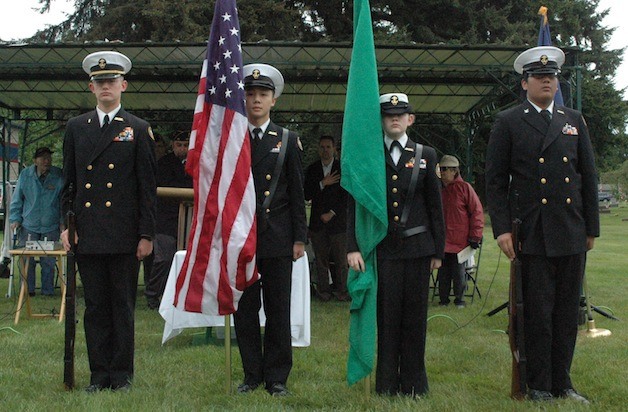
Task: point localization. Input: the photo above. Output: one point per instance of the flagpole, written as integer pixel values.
(228, 353)
(367, 386)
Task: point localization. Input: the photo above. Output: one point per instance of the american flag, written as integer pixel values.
(220, 262)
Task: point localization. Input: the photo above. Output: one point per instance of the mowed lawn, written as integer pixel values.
(468, 367)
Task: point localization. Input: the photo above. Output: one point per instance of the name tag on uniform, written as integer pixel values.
(570, 130)
(422, 164)
(125, 136)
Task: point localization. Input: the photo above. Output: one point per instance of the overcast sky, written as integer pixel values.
(20, 20)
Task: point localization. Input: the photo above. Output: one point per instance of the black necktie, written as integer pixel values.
(546, 116)
(257, 136)
(257, 133)
(396, 144)
(105, 123)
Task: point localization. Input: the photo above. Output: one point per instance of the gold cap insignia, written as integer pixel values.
(102, 63)
(256, 73)
(544, 60)
(394, 100)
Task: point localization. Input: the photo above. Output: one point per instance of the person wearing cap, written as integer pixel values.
(540, 169)
(109, 170)
(170, 173)
(281, 236)
(35, 211)
(412, 249)
(464, 221)
(328, 221)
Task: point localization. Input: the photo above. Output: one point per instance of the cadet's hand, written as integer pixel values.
(590, 242)
(504, 241)
(330, 179)
(65, 239)
(435, 263)
(144, 248)
(355, 261)
(298, 250)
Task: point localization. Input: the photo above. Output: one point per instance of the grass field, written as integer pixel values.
(468, 368)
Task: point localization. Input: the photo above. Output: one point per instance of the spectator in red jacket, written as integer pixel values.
(464, 220)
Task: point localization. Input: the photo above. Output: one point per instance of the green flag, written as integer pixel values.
(364, 177)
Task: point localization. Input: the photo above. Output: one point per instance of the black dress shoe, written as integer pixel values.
(95, 387)
(125, 387)
(573, 395)
(540, 396)
(247, 387)
(153, 303)
(278, 389)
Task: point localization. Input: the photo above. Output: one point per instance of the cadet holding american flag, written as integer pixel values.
(235, 179)
(281, 234)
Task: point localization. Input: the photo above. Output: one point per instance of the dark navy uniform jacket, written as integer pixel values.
(425, 208)
(553, 172)
(286, 214)
(113, 173)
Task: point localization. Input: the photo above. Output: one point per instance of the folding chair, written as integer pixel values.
(471, 272)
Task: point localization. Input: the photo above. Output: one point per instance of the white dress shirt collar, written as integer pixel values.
(263, 127)
(550, 108)
(111, 114)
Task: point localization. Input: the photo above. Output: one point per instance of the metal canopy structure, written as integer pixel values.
(46, 81)
(448, 85)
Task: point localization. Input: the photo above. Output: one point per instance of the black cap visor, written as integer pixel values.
(400, 108)
(261, 81)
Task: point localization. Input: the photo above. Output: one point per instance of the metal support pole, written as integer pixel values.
(592, 331)
(578, 84)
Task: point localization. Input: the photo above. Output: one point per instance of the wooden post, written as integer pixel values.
(228, 353)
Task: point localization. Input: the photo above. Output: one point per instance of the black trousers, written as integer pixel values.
(450, 271)
(551, 293)
(272, 363)
(110, 287)
(402, 295)
(164, 249)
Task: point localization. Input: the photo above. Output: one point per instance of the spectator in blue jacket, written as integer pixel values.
(36, 212)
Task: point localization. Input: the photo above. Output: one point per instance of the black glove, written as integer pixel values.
(473, 244)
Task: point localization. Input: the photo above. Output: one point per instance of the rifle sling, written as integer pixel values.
(411, 190)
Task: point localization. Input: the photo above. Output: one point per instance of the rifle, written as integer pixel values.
(516, 337)
(70, 296)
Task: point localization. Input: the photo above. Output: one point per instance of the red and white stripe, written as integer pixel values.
(220, 262)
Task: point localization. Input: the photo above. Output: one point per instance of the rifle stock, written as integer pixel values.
(515, 322)
(70, 299)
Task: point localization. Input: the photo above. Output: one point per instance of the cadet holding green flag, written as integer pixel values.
(413, 246)
(363, 177)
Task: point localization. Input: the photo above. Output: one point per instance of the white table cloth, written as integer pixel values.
(176, 319)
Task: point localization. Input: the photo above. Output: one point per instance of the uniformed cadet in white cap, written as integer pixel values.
(540, 168)
(106, 65)
(109, 171)
(281, 236)
(413, 247)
